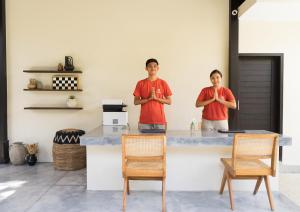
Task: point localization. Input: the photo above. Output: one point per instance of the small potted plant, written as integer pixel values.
(72, 101)
(32, 149)
(32, 84)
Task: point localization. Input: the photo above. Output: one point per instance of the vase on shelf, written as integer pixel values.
(69, 63)
(71, 101)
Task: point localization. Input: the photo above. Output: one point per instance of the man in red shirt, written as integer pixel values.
(152, 93)
(216, 100)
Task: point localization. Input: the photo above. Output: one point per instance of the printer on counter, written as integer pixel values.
(114, 113)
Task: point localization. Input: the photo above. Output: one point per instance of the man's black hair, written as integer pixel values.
(216, 71)
(151, 60)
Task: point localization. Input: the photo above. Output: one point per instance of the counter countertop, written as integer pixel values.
(111, 135)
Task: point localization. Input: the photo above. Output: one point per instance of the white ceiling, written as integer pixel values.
(270, 10)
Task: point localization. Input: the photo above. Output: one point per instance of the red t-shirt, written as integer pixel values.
(215, 110)
(152, 112)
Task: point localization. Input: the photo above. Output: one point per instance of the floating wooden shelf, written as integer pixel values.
(53, 71)
(26, 89)
(52, 108)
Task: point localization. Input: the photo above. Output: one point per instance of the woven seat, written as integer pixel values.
(67, 153)
(246, 163)
(69, 157)
(143, 158)
(144, 169)
(247, 167)
(139, 166)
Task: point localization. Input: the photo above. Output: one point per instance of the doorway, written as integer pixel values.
(259, 93)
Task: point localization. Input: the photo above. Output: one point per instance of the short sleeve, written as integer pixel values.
(229, 95)
(201, 96)
(167, 90)
(137, 90)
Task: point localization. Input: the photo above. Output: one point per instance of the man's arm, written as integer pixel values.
(139, 101)
(167, 100)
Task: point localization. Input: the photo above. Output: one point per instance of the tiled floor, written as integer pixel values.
(41, 188)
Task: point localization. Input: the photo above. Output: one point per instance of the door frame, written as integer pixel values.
(4, 143)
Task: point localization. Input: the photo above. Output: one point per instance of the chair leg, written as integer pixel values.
(223, 182)
(267, 182)
(128, 192)
(258, 182)
(230, 191)
(164, 195)
(124, 193)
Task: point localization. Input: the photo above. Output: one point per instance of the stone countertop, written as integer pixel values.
(111, 135)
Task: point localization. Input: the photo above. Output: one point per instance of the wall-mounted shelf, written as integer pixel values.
(57, 73)
(26, 89)
(52, 108)
(53, 71)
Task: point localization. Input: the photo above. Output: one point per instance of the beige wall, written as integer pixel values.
(110, 41)
(280, 37)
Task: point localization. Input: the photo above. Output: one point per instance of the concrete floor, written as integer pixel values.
(41, 188)
(289, 182)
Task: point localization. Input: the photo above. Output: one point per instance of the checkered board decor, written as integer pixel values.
(64, 83)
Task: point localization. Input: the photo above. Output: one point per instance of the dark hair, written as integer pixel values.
(151, 60)
(216, 71)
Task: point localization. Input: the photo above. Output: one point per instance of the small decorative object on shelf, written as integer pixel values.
(71, 101)
(47, 87)
(60, 67)
(39, 84)
(69, 63)
(17, 153)
(31, 157)
(60, 82)
(32, 84)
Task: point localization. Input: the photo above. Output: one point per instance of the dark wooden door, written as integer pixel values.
(259, 93)
(258, 90)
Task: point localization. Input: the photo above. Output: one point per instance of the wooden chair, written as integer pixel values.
(246, 163)
(144, 158)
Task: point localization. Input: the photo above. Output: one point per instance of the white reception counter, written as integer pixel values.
(193, 160)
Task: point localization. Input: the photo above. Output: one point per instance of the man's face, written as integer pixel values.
(152, 69)
(216, 79)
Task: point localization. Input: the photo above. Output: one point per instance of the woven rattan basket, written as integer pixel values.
(69, 156)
